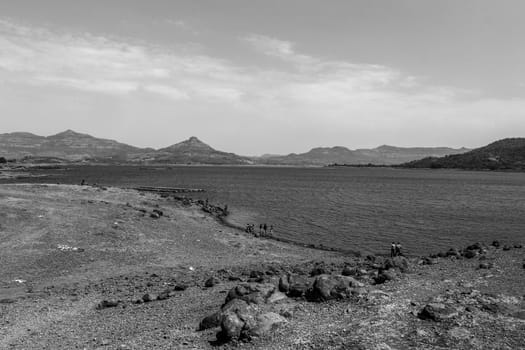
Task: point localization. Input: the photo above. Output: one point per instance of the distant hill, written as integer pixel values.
(73, 146)
(191, 151)
(383, 155)
(67, 145)
(506, 154)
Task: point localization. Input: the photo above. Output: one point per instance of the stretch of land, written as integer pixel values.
(94, 267)
(72, 147)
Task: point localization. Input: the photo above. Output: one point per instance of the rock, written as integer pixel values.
(164, 295)
(383, 277)
(475, 246)
(507, 247)
(496, 244)
(452, 252)
(297, 285)
(265, 323)
(396, 262)
(328, 287)
(442, 255)
(154, 215)
(212, 281)
(211, 321)
(437, 312)
(276, 297)
(469, 254)
(231, 326)
(349, 271)
(237, 306)
(149, 297)
(318, 270)
(284, 284)
(180, 287)
(518, 246)
(252, 293)
(107, 303)
(159, 212)
(256, 274)
(486, 265)
(428, 261)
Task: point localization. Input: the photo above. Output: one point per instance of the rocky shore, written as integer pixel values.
(105, 268)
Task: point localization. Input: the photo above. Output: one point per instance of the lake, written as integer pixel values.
(351, 208)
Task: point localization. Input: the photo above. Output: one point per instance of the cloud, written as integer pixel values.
(300, 96)
(91, 63)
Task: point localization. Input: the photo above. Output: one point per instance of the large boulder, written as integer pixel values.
(328, 287)
(437, 312)
(231, 326)
(396, 262)
(294, 285)
(211, 321)
(252, 293)
(264, 324)
(235, 306)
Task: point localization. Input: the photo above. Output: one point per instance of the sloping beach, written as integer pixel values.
(92, 267)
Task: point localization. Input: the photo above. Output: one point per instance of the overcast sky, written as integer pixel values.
(272, 76)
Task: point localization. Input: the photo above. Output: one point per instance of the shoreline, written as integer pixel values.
(125, 270)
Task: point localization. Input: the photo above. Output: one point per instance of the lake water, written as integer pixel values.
(352, 208)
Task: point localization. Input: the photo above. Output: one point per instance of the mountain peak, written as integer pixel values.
(67, 133)
(191, 144)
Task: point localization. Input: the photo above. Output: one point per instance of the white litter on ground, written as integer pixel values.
(67, 248)
(19, 281)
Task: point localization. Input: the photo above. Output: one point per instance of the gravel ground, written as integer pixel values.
(64, 249)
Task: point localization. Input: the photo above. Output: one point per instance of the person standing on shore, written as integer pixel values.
(265, 228)
(271, 230)
(398, 249)
(393, 249)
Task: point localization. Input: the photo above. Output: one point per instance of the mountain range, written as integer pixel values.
(72, 146)
(506, 154)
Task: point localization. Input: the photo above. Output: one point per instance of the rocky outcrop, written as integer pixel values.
(329, 287)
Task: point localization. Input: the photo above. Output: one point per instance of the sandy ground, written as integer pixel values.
(63, 249)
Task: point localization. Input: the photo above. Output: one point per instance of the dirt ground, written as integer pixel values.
(63, 249)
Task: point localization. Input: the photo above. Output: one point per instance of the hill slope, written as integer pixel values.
(68, 145)
(383, 155)
(506, 154)
(73, 146)
(192, 151)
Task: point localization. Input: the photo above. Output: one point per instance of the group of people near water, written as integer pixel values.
(264, 230)
(395, 249)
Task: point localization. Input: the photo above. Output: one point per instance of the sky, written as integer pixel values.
(273, 76)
